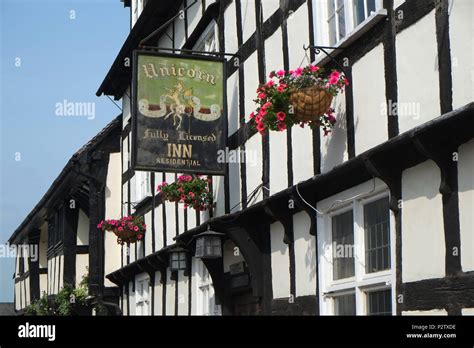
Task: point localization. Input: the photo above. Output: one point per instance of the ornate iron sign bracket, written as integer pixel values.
(319, 49)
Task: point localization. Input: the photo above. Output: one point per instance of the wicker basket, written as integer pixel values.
(310, 103)
(126, 236)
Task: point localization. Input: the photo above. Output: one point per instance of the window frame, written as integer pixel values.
(321, 13)
(142, 301)
(342, 210)
(142, 185)
(362, 282)
(204, 306)
(211, 29)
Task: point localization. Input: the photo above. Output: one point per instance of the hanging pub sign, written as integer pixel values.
(178, 116)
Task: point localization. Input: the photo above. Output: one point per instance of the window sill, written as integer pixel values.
(142, 202)
(353, 36)
(339, 285)
(381, 278)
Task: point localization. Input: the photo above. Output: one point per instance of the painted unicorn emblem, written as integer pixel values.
(178, 103)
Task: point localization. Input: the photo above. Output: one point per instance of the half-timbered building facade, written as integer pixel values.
(58, 243)
(374, 218)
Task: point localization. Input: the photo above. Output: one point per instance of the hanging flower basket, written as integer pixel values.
(128, 229)
(302, 96)
(192, 191)
(310, 103)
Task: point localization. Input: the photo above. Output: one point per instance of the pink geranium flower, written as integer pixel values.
(298, 72)
(281, 116)
(280, 73)
(270, 83)
(313, 68)
(281, 127)
(335, 74)
(333, 80)
(262, 96)
(260, 127)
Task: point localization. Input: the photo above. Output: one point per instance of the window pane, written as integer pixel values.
(332, 22)
(343, 245)
(370, 6)
(345, 305)
(332, 30)
(341, 22)
(377, 236)
(379, 302)
(331, 7)
(359, 14)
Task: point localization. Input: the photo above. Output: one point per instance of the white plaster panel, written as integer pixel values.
(430, 312)
(423, 244)
(158, 295)
(83, 227)
(233, 102)
(248, 19)
(461, 29)
(298, 35)
(466, 204)
(467, 311)
(269, 7)
(280, 262)
(170, 294)
(334, 145)
(305, 255)
(253, 147)
(368, 83)
(417, 74)
(183, 299)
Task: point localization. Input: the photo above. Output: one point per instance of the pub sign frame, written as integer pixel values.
(179, 114)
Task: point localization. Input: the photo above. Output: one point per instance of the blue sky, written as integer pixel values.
(60, 58)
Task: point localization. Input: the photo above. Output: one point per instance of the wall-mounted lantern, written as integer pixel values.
(177, 259)
(209, 245)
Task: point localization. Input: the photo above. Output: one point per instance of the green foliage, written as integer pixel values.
(191, 191)
(63, 302)
(40, 307)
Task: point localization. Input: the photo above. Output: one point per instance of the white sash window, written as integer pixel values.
(336, 19)
(205, 296)
(356, 251)
(143, 185)
(142, 301)
(208, 40)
